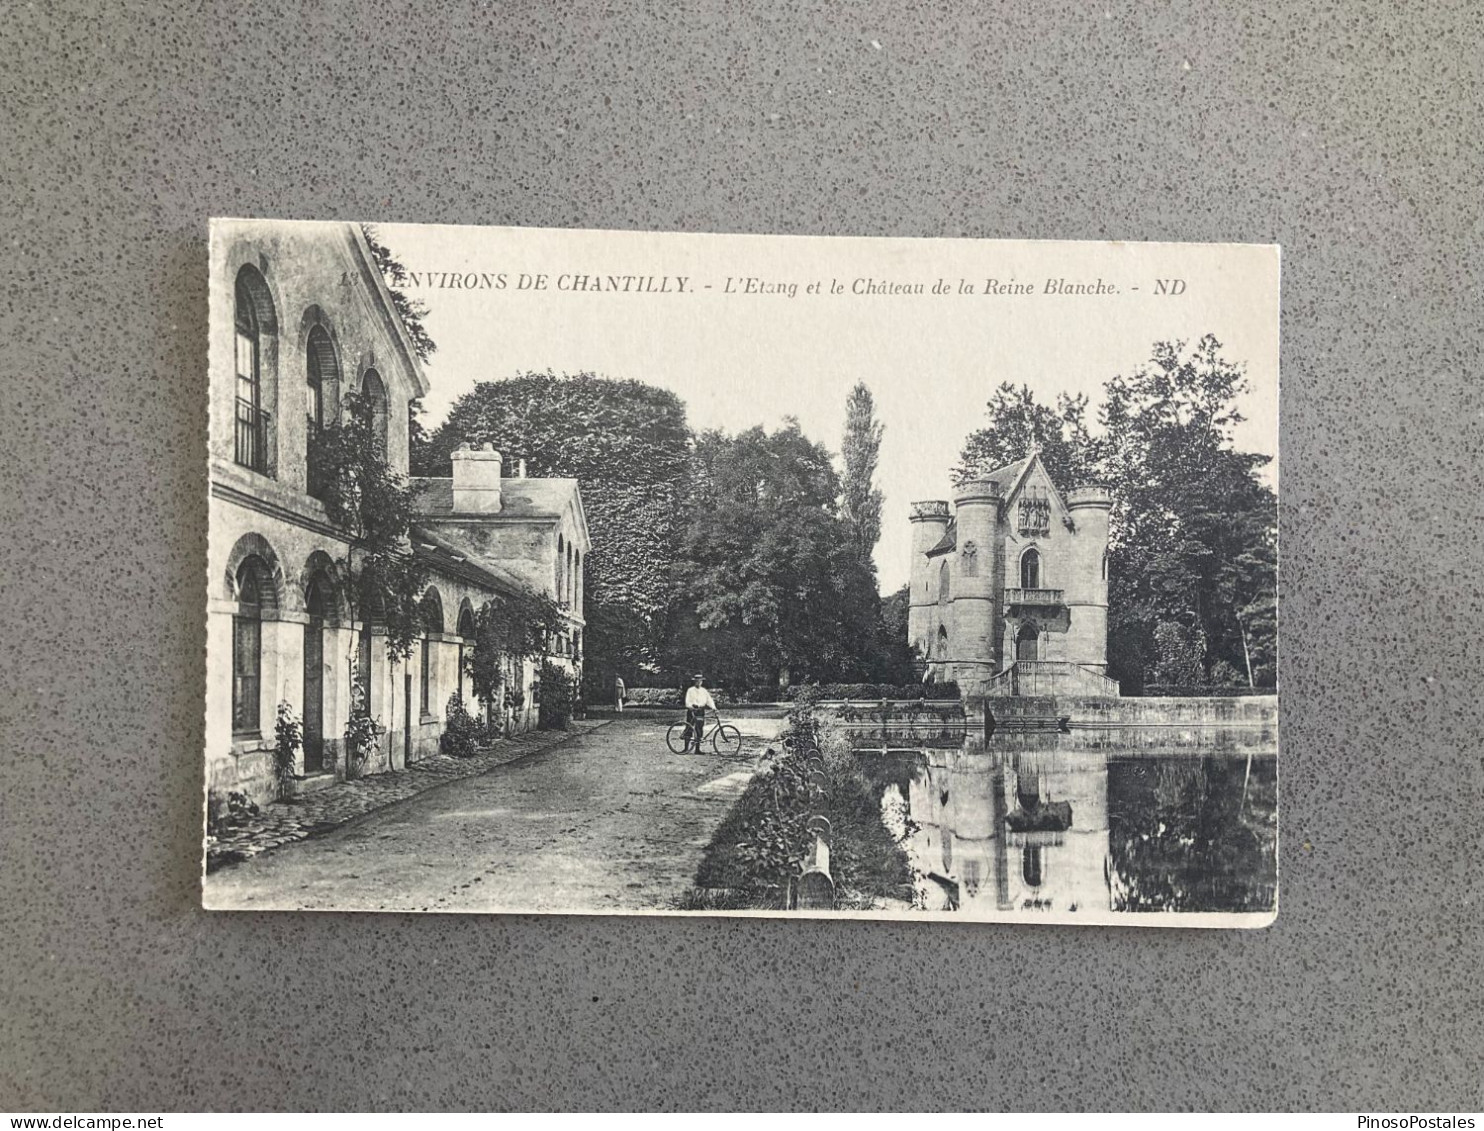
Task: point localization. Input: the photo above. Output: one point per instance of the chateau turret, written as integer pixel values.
(1087, 580)
(978, 578)
(929, 525)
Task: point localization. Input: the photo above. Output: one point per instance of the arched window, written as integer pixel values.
(254, 587)
(374, 392)
(571, 576)
(560, 561)
(432, 618)
(1030, 570)
(942, 642)
(945, 585)
(1105, 565)
(252, 304)
(319, 603)
(321, 371)
(577, 581)
(1030, 865)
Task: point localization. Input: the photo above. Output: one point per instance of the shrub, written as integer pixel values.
(225, 812)
(461, 730)
(933, 691)
(557, 695)
(289, 734)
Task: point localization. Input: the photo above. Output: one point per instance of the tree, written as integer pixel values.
(1017, 422)
(1192, 549)
(1193, 527)
(372, 507)
(628, 445)
(861, 499)
(410, 310)
(769, 573)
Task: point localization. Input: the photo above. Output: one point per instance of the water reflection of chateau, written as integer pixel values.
(1011, 830)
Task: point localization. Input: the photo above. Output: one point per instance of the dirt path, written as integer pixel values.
(608, 821)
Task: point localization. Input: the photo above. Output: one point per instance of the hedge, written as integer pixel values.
(936, 691)
(674, 696)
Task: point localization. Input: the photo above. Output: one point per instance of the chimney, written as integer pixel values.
(476, 480)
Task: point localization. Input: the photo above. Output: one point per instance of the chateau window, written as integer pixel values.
(942, 642)
(320, 371)
(970, 559)
(560, 559)
(374, 392)
(1030, 570)
(247, 648)
(251, 435)
(945, 584)
(1105, 565)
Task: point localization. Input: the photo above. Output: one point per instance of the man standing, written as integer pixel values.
(697, 701)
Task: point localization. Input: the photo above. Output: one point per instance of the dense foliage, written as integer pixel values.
(558, 697)
(627, 444)
(769, 582)
(1193, 545)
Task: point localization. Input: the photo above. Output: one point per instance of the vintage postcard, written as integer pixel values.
(654, 573)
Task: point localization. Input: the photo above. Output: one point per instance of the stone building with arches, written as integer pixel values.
(1009, 585)
(300, 316)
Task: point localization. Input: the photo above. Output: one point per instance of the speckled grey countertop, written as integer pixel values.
(1349, 133)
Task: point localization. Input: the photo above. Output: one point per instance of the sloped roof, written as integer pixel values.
(1009, 476)
(948, 542)
(448, 554)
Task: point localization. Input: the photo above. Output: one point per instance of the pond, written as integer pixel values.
(1093, 824)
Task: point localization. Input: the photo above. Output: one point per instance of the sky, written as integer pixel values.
(930, 360)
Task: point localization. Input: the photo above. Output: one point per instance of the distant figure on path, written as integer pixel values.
(697, 701)
(618, 690)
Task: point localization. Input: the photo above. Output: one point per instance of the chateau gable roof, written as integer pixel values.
(1011, 478)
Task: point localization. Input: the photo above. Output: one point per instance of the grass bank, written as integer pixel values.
(763, 837)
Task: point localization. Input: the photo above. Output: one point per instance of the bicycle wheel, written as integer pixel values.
(726, 739)
(675, 738)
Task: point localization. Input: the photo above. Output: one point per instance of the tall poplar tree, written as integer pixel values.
(860, 502)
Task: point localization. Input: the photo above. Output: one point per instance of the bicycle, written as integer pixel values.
(725, 738)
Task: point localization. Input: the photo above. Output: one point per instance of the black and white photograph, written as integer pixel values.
(604, 572)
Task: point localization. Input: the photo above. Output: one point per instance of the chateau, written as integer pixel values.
(1009, 589)
(300, 315)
